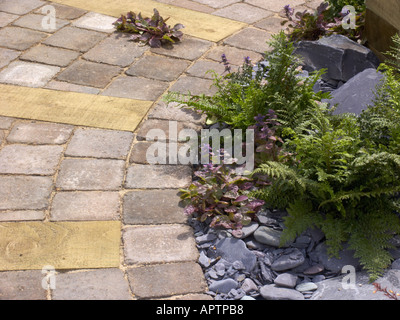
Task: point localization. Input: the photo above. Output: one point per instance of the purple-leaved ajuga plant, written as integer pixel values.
(153, 31)
(220, 197)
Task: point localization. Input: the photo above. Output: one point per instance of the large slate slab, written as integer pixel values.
(356, 94)
(342, 57)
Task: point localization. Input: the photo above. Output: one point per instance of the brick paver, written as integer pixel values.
(57, 178)
(217, 3)
(28, 74)
(96, 21)
(24, 192)
(19, 38)
(275, 5)
(164, 280)
(250, 39)
(71, 87)
(85, 206)
(90, 174)
(189, 49)
(158, 176)
(65, 12)
(159, 244)
(22, 285)
(99, 143)
(144, 207)
(101, 284)
(7, 55)
(89, 74)
(136, 88)
(75, 39)
(50, 55)
(34, 21)
(6, 18)
(171, 129)
(158, 67)
(40, 133)
(20, 6)
(194, 86)
(243, 12)
(24, 159)
(116, 50)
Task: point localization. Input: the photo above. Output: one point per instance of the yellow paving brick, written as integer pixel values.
(72, 107)
(63, 245)
(197, 24)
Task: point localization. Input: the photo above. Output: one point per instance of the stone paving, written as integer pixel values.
(62, 183)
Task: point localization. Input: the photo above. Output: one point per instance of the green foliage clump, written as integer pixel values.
(338, 186)
(339, 173)
(337, 5)
(345, 176)
(324, 21)
(245, 94)
(153, 31)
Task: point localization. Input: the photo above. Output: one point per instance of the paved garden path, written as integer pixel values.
(82, 213)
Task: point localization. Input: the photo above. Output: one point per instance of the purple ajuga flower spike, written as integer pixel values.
(247, 60)
(226, 63)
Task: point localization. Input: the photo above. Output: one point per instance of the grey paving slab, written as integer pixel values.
(234, 55)
(24, 192)
(116, 50)
(159, 244)
(7, 55)
(158, 67)
(65, 86)
(271, 24)
(64, 12)
(136, 88)
(7, 18)
(275, 5)
(96, 21)
(250, 39)
(75, 39)
(194, 86)
(21, 215)
(27, 159)
(167, 280)
(6, 122)
(28, 74)
(20, 38)
(50, 55)
(20, 6)
(189, 48)
(205, 69)
(177, 112)
(88, 73)
(152, 207)
(217, 3)
(100, 284)
(39, 22)
(170, 129)
(243, 12)
(22, 285)
(158, 176)
(188, 4)
(99, 143)
(40, 133)
(90, 174)
(85, 206)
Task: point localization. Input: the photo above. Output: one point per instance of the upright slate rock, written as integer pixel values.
(356, 94)
(356, 57)
(342, 57)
